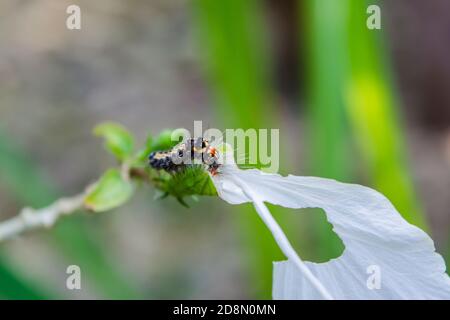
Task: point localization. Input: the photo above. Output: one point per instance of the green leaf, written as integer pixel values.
(163, 141)
(191, 181)
(117, 139)
(110, 192)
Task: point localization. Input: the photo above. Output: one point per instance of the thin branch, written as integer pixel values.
(31, 219)
(282, 240)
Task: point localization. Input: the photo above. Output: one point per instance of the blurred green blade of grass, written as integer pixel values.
(231, 36)
(350, 86)
(13, 173)
(373, 109)
(227, 32)
(327, 130)
(13, 287)
(72, 236)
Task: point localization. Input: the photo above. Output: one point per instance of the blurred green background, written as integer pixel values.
(359, 105)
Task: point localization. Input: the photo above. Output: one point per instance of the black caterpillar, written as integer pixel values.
(186, 154)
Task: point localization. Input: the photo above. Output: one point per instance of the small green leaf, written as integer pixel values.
(117, 139)
(110, 192)
(192, 180)
(141, 155)
(163, 141)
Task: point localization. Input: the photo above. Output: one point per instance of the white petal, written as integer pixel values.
(373, 232)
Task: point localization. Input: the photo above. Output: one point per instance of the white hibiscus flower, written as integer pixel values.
(373, 232)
